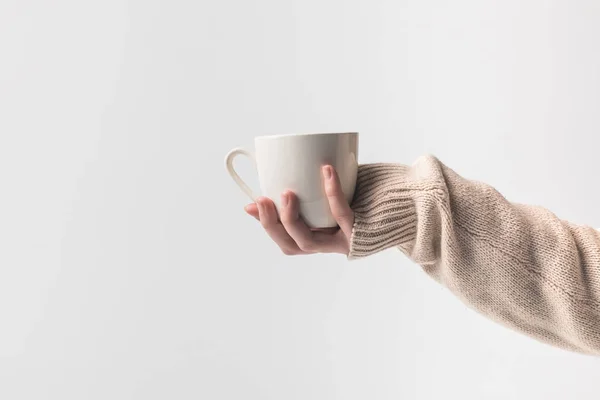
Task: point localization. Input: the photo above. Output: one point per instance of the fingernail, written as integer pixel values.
(284, 199)
(327, 172)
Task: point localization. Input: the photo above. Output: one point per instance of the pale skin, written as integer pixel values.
(292, 235)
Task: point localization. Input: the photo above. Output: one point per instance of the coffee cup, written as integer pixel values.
(294, 162)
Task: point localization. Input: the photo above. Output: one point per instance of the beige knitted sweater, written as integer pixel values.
(519, 265)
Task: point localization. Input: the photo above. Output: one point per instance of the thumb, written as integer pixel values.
(340, 208)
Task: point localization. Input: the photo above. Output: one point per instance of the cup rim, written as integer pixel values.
(285, 135)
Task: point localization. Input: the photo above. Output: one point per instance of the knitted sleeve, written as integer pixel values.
(519, 265)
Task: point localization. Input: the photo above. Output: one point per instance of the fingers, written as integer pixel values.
(332, 241)
(326, 230)
(292, 235)
(340, 208)
(268, 219)
(294, 226)
(307, 240)
(252, 210)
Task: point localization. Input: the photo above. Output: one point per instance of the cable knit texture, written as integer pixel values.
(519, 265)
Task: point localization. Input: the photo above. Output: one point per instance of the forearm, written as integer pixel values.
(519, 265)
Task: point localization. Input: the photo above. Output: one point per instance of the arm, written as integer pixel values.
(519, 265)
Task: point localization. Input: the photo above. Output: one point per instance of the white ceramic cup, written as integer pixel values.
(293, 162)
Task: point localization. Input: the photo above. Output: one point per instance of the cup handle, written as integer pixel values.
(229, 165)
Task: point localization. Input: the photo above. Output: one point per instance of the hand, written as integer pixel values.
(291, 233)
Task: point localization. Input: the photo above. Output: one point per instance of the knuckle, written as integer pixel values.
(286, 218)
(342, 212)
(331, 190)
(337, 201)
(344, 217)
(308, 246)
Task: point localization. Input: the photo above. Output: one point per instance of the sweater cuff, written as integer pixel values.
(384, 210)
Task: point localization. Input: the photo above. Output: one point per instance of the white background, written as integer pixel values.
(128, 269)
